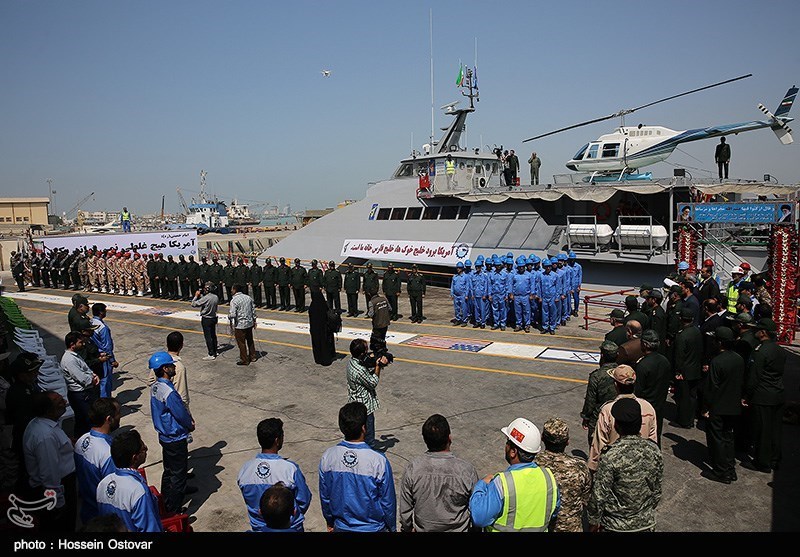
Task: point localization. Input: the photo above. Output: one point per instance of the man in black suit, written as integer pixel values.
(723, 394)
(653, 376)
(710, 321)
(689, 299)
(687, 368)
(708, 285)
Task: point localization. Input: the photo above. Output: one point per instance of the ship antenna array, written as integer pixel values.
(471, 85)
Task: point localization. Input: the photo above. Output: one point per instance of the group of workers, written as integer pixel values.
(524, 292)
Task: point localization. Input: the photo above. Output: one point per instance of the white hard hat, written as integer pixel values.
(524, 434)
(737, 270)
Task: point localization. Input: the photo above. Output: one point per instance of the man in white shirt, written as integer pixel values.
(50, 464)
(242, 320)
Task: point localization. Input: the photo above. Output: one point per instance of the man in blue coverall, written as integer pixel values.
(577, 280)
(521, 294)
(460, 293)
(498, 294)
(479, 286)
(566, 273)
(536, 290)
(549, 293)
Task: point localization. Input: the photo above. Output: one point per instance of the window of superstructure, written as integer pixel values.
(398, 213)
(383, 214)
(413, 213)
(449, 212)
(430, 213)
(463, 212)
(405, 170)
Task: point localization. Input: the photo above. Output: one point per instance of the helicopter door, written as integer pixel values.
(592, 152)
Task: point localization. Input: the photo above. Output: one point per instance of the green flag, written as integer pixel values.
(460, 78)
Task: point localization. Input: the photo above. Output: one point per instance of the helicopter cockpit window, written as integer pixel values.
(610, 150)
(579, 155)
(592, 154)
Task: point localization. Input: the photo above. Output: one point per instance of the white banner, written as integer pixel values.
(167, 242)
(410, 251)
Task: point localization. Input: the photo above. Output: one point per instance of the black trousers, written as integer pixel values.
(61, 520)
(37, 277)
(81, 401)
(352, 303)
(285, 291)
(269, 296)
(686, 401)
(299, 299)
(392, 299)
(175, 457)
(416, 306)
(185, 289)
(334, 300)
(723, 169)
(155, 291)
(20, 280)
(767, 428)
(210, 333)
(719, 439)
(377, 340)
(46, 279)
(228, 294)
(256, 288)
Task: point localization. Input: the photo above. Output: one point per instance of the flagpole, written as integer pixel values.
(430, 20)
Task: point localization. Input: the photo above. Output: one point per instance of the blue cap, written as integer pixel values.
(480, 258)
(160, 359)
(468, 263)
(479, 263)
(459, 265)
(572, 255)
(510, 254)
(521, 261)
(561, 256)
(495, 260)
(529, 260)
(683, 266)
(546, 262)
(509, 260)
(494, 256)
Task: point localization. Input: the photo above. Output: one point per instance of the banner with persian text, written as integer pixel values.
(408, 251)
(167, 242)
(748, 213)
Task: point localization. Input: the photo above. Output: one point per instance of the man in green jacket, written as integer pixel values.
(241, 276)
(370, 285)
(193, 269)
(270, 278)
(299, 282)
(315, 277)
(391, 289)
(171, 274)
(600, 387)
(333, 285)
(688, 368)
(352, 285)
(228, 278)
(183, 278)
(653, 377)
(416, 292)
(256, 276)
(283, 276)
(215, 276)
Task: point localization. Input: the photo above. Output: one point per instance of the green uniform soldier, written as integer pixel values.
(632, 306)
(370, 284)
(283, 276)
(600, 387)
(171, 274)
(391, 289)
(332, 279)
(155, 291)
(571, 473)
(688, 368)
(657, 317)
(161, 276)
(228, 278)
(416, 292)
(315, 277)
(215, 276)
(255, 279)
(183, 278)
(299, 282)
(653, 377)
(202, 272)
(193, 270)
(627, 485)
(673, 311)
(241, 276)
(617, 335)
(352, 284)
(269, 278)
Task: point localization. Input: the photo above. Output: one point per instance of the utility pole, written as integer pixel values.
(51, 194)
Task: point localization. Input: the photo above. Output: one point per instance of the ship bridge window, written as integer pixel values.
(492, 167)
(463, 212)
(404, 171)
(398, 213)
(449, 212)
(383, 214)
(610, 150)
(413, 213)
(579, 155)
(430, 213)
(592, 154)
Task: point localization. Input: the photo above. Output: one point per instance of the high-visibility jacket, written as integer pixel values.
(530, 496)
(450, 167)
(733, 296)
(126, 216)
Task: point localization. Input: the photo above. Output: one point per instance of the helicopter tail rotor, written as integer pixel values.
(780, 119)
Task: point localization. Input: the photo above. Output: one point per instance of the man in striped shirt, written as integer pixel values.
(242, 320)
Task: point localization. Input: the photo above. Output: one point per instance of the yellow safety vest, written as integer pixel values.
(529, 500)
(450, 167)
(733, 297)
(126, 216)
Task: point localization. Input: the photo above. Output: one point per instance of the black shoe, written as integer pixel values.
(190, 489)
(240, 363)
(552, 332)
(715, 477)
(189, 475)
(750, 465)
(732, 476)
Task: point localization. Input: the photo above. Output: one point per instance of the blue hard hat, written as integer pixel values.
(494, 256)
(561, 256)
(529, 261)
(546, 262)
(459, 265)
(521, 260)
(683, 265)
(495, 260)
(535, 259)
(160, 359)
(480, 258)
(510, 254)
(509, 260)
(572, 255)
(468, 263)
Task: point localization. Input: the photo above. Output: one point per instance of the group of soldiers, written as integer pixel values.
(524, 292)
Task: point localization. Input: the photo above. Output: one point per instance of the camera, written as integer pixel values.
(370, 359)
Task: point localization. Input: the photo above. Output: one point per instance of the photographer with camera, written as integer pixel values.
(363, 374)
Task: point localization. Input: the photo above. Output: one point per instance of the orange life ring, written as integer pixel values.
(602, 211)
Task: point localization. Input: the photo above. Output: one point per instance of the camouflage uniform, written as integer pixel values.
(599, 390)
(91, 268)
(100, 267)
(571, 473)
(83, 272)
(111, 273)
(627, 486)
(138, 272)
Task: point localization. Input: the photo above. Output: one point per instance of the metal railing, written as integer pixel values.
(602, 300)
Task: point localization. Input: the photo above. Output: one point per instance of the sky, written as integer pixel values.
(132, 99)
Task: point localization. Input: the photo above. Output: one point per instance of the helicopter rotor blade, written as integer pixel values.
(624, 112)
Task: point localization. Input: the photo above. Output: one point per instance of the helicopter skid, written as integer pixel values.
(617, 177)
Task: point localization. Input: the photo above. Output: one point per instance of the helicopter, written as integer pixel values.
(619, 155)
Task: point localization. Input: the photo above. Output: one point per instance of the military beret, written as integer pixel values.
(687, 314)
(627, 410)
(649, 335)
(609, 347)
(617, 313)
(555, 430)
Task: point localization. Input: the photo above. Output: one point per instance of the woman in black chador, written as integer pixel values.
(322, 340)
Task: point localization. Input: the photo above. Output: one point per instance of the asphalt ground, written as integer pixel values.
(478, 393)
